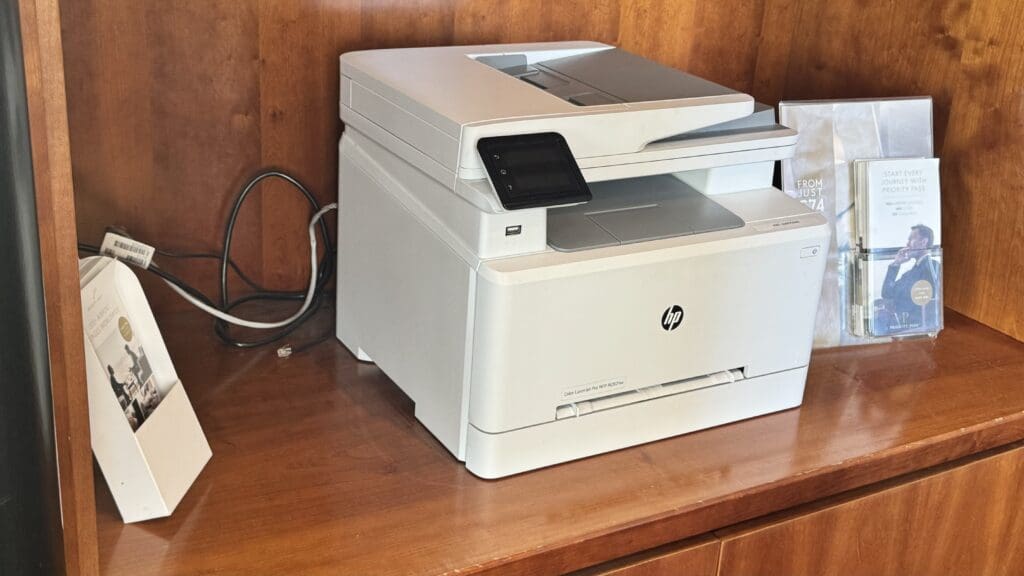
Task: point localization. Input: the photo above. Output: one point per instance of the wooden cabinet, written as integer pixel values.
(960, 518)
(694, 557)
(319, 465)
(968, 519)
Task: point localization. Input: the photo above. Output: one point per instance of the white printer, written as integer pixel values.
(562, 249)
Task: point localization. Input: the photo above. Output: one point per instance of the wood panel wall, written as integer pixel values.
(55, 209)
(174, 102)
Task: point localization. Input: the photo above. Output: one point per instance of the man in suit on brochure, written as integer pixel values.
(908, 291)
(118, 387)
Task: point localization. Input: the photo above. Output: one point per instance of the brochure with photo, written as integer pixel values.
(894, 196)
(900, 293)
(110, 331)
(144, 432)
(899, 260)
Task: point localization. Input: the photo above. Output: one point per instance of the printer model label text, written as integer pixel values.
(592, 390)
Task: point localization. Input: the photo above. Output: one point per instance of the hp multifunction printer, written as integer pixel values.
(562, 249)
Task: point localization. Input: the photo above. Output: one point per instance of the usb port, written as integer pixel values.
(513, 230)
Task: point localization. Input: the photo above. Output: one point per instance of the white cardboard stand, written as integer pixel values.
(148, 470)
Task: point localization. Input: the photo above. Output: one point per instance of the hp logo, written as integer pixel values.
(672, 317)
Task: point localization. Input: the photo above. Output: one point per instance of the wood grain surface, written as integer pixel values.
(319, 466)
(55, 208)
(965, 520)
(692, 557)
(983, 171)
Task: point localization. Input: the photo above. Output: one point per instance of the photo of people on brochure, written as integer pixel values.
(905, 287)
(131, 379)
(120, 352)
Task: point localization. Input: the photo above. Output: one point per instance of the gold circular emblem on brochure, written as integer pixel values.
(921, 292)
(126, 328)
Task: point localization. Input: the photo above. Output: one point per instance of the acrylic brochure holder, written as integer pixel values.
(833, 135)
(149, 456)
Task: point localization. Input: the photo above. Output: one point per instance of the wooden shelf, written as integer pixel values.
(320, 467)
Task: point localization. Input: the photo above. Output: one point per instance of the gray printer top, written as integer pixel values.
(606, 77)
(636, 210)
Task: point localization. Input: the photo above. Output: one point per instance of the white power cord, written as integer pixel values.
(268, 325)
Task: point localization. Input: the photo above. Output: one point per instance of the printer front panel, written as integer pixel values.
(545, 343)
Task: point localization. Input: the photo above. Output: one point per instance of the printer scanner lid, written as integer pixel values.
(605, 101)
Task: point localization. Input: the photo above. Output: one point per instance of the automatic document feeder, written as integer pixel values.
(562, 249)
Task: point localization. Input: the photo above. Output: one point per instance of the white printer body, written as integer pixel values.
(534, 318)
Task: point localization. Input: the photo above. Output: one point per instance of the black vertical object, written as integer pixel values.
(30, 523)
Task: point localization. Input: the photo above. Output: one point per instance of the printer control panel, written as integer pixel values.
(533, 170)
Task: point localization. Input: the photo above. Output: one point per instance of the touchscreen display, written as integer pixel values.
(533, 170)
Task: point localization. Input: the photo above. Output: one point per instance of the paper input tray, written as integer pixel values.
(636, 210)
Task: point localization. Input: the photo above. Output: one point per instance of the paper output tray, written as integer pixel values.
(494, 455)
(636, 210)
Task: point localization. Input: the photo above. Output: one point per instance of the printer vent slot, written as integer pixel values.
(584, 407)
